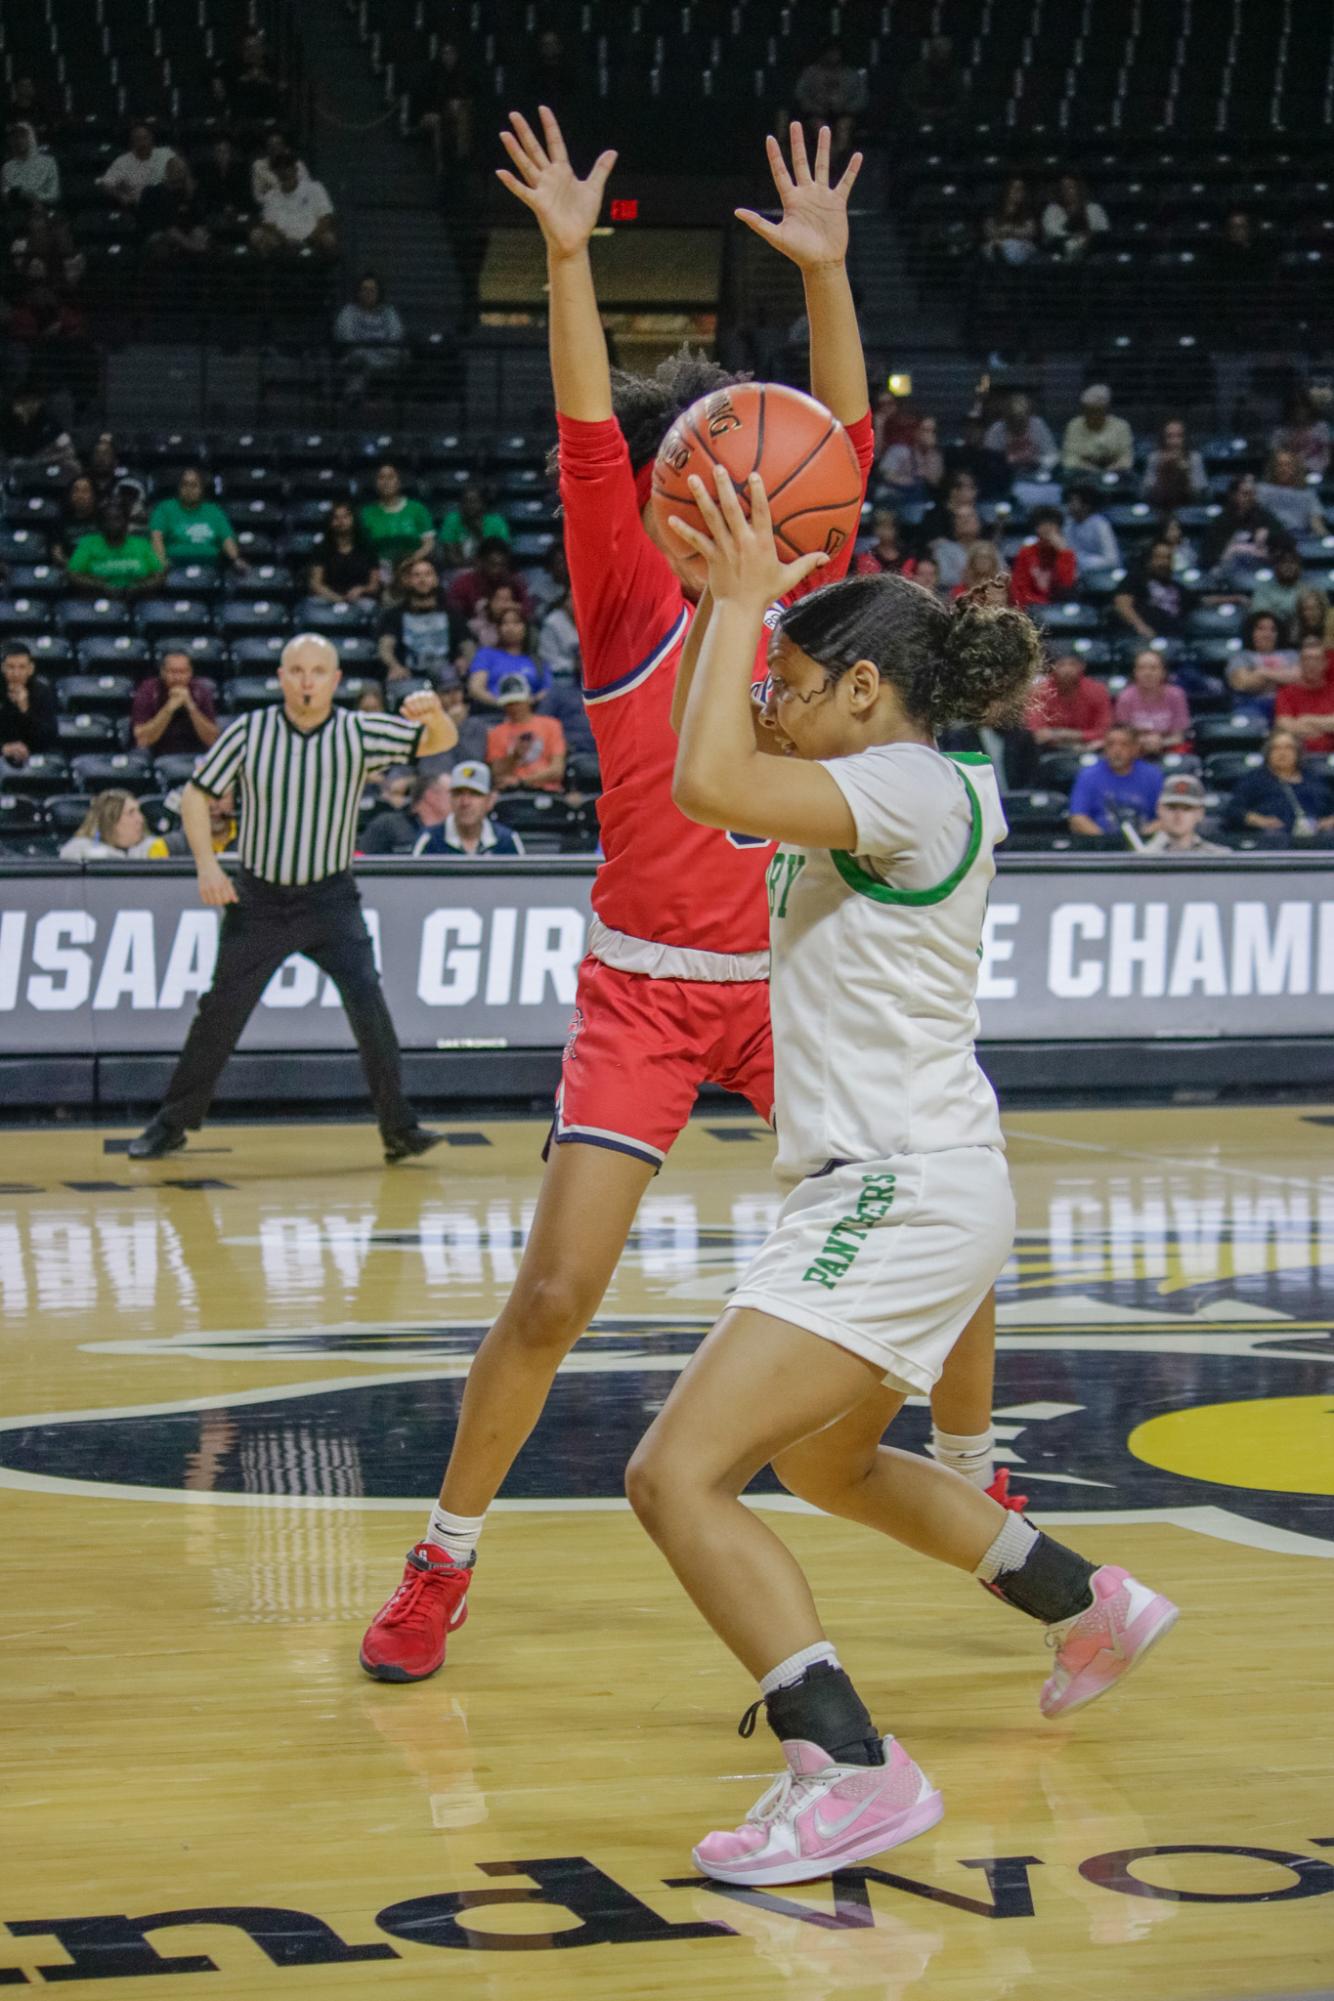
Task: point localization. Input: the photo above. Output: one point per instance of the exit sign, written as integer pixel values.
(624, 209)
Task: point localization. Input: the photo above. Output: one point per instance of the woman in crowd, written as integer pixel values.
(915, 472)
(511, 654)
(29, 174)
(1238, 540)
(369, 335)
(343, 569)
(1284, 490)
(1264, 665)
(1070, 220)
(1010, 232)
(78, 517)
(1313, 618)
(982, 565)
(1154, 706)
(1174, 475)
(1304, 433)
(1281, 797)
(885, 556)
(114, 830)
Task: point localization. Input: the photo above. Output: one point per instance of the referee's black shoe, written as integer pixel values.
(406, 1145)
(156, 1139)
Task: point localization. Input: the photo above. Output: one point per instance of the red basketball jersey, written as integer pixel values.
(664, 878)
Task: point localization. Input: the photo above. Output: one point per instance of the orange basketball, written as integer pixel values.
(803, 455)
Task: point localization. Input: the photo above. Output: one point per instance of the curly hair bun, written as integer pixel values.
(988, 660)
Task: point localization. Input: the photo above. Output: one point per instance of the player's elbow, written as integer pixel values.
(694, 797)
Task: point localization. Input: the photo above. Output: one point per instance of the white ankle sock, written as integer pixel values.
(973, 1457)
(457, 1535)
(1010, 1551)
(790, 1671)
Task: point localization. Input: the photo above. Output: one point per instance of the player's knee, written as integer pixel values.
(648, 1482)
(551, 1311)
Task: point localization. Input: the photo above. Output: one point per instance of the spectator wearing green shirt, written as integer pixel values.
(190, 529)
(467, 526)
(397, 528)
(114, 563)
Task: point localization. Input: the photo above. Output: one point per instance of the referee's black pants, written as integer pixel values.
(265, 924)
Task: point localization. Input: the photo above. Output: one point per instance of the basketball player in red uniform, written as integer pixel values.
(674, 992)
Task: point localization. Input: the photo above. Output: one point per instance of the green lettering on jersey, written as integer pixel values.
(782, 873)
(837, 1254)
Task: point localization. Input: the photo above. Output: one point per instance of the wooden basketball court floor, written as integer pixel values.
(228, 1385)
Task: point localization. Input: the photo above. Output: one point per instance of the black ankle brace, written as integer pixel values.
(1053, 1583)
(822, 1708)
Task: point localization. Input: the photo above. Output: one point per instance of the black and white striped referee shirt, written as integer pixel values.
(299, 790)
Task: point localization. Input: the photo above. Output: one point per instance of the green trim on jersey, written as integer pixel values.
(867, 884)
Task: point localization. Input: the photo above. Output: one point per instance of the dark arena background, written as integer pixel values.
(274, 361)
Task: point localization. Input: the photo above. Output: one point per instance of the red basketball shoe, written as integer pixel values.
(999, 1490)
(405, 1641)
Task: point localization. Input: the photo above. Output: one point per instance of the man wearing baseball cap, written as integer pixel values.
(1180, 810)
(469, 830)
(1095, 441)
(525, 750)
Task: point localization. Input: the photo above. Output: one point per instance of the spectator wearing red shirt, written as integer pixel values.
(174, 715)
(1045, 569)
(1306, 706)
(1069, 710)
(494, 566)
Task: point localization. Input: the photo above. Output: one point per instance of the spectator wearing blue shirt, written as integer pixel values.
(469, 829)
(1119, 789)
(1281, 799)
(493, 664)
(1090, 534)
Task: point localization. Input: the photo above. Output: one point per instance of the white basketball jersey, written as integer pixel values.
(874, 964)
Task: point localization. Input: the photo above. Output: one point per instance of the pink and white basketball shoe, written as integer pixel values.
(1098, 1646)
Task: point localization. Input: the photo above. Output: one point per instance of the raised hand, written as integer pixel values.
(743, 559)
(566, 207)
(814, 225)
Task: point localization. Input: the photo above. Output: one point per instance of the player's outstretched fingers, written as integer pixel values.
(849, 175)
(822, 145)
(529, 140)
(777, 167)
(801, 172)
(551, 132)
(708, 507)
(730, 501)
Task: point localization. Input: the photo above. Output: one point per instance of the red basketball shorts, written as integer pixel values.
(639, 1049)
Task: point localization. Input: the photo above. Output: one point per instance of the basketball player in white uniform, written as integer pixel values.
(899, 1215)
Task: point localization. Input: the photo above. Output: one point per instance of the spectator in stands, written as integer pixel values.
(924, 570)
(1263, 666)
(442, 109)
(369, 335)
(1154, 706)
(1305, 433)
(344, 568)
(141, 166)
(553, 75)
(1313, 616)
(1070, 220)
(915, 472)
(1285, 492)
(492, 667)
(224, 181)
(1095, 440)
(112, 481)
(469, 830)
(983, 566)
(174, 715)
(1010, 232)
(1181, 805)
(473, 730)
(831, 92)
(295, 215)
(255, 96)
(972, 457)
(952, 549)
(113, 563)
(29, 718)
(48, 323)
(558, 649)
(1089, 534)
(170, 216)
(1238, 541)
(1237, 253)
(1044, 570)
(1152, 601)
(191, 529)
(551, 584)
(1120, 789)
(1185, 556)
(1022, 438)
(30, 428)
(419, 634)
(885, 555)
(29, 174)
(26, 105)
(467, 525)
(398, 832)
(223, 828)
(494, 565)
(370, 701)
(1281, 797)
(264, 168)
(397, 527)
(1306, 706)
(1279, 592)
(934, 90)
(114, 830)
(484, 625)
(48, 235)
(78, 517)
(1069, 710)
(526, 751)
(1174, 475)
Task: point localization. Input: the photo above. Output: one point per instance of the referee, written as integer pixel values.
(300, 770)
